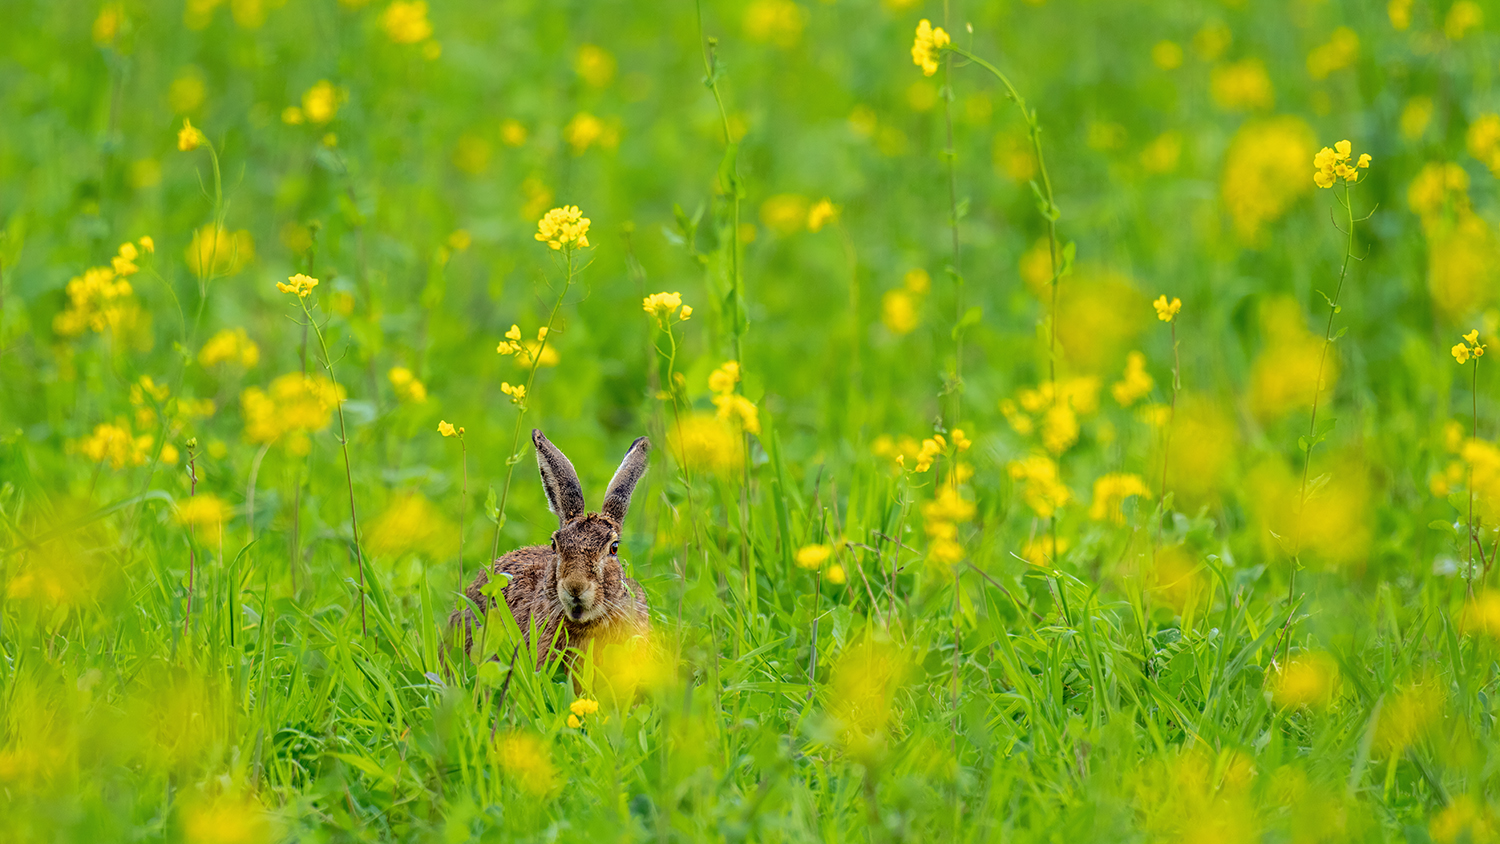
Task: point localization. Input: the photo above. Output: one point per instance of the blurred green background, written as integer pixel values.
(1038, 637)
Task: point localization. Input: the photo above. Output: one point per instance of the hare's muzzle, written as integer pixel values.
(577, 599)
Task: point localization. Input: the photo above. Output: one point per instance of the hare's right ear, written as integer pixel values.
(617, 495)
(564, 494)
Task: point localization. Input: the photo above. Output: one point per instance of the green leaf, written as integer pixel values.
(492, 506)
(727, 172)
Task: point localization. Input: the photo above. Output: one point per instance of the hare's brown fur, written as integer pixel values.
(574, 590)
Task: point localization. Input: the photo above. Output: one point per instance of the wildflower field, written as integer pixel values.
(1070, 420)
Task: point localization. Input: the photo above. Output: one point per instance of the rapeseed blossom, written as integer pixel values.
(406, 22)
(1044, 492)
(300, 284)
(664, 305)
(446, 429)
(1167, 311)
(1463, 352)
(580, 709)
(1334, 162)
(929, 42)
(821, 214)
(1136, 382)
(101, 298)
(229, 345)
(188, 137)
(406, 385)
(563, 227)
(294, 405)
(812, 557)
(731, 405)
(516, 392)
(116, 445)
(1110, 492)
(527, 762)
(1265, 174)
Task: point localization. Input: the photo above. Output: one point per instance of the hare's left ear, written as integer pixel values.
(617, 496)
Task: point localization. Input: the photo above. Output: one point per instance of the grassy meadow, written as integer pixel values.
(1061, 431)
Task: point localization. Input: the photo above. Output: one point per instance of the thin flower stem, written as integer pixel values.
(523, 405)
(709, 47)
(359, 557)
(1474, 394)
(187, 618)
(950, 155)
(1312, 425)
(463, 508)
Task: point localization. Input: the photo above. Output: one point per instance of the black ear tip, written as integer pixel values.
(536, 436)
(642, 443)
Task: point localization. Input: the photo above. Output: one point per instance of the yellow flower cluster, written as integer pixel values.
(320, 104)
(1044, 492)
(1340, 52)
(1462, 352)
(526, 760)
(1242, 86)
(563, 227)
(215, 252)
(898, 308)
(446, 429)
(527, 352)
(1335, 163)
(1167, 311)
(1059, 410)
(517, 392)
(821, 215)
(229, 345)
(295, 405)
(812, 557)
(663, 305)
(929, 42)
(1265, 173)
(940, 520)
(150, 399)
(1040, 550)
(406, 22)
(204, 511)
(731, 405)
(102, 298)
(585, 130)
(115, 445)
(300, 284)
(936, 446)
(580, 709)
(1110, 492)
(1135, 384)
(703, 441)
(188, 137)
(406, 385)
(1305, 682)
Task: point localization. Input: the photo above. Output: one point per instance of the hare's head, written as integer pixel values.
(588, 570)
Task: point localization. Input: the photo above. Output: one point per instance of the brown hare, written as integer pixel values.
(573, 589)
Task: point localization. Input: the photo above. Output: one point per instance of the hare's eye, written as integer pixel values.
(614, 548)
(554, 544)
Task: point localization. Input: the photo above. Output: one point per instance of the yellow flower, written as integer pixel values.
(1044, 492)
(114, 444)
(406, 23)
(1265, 174)
(1242, 86)
(898, 310)
(1135, 384)
(1306, 681)
(583, 706)
(740, 409)
(703, 441)
(931, 449)
(723, 379)
(406, 385)
(1340, 52)
(1462, 17)
(1334, 163)
(148, 244)
(1167, 311)
(663, 306)
(300, 284)
(960, 441)
(1462, 352)
(517, 393)
(584, 130)
(835, 574)
(446, 429)
(231, 344)
(188, 138)
(321, 102)
(687, 312)
(215, 252)
(203, 511)
(527, 761)
(1110, 492)
(813, 556)
(563, 227)
(820, 215)
(929, 42)
(296, 404)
